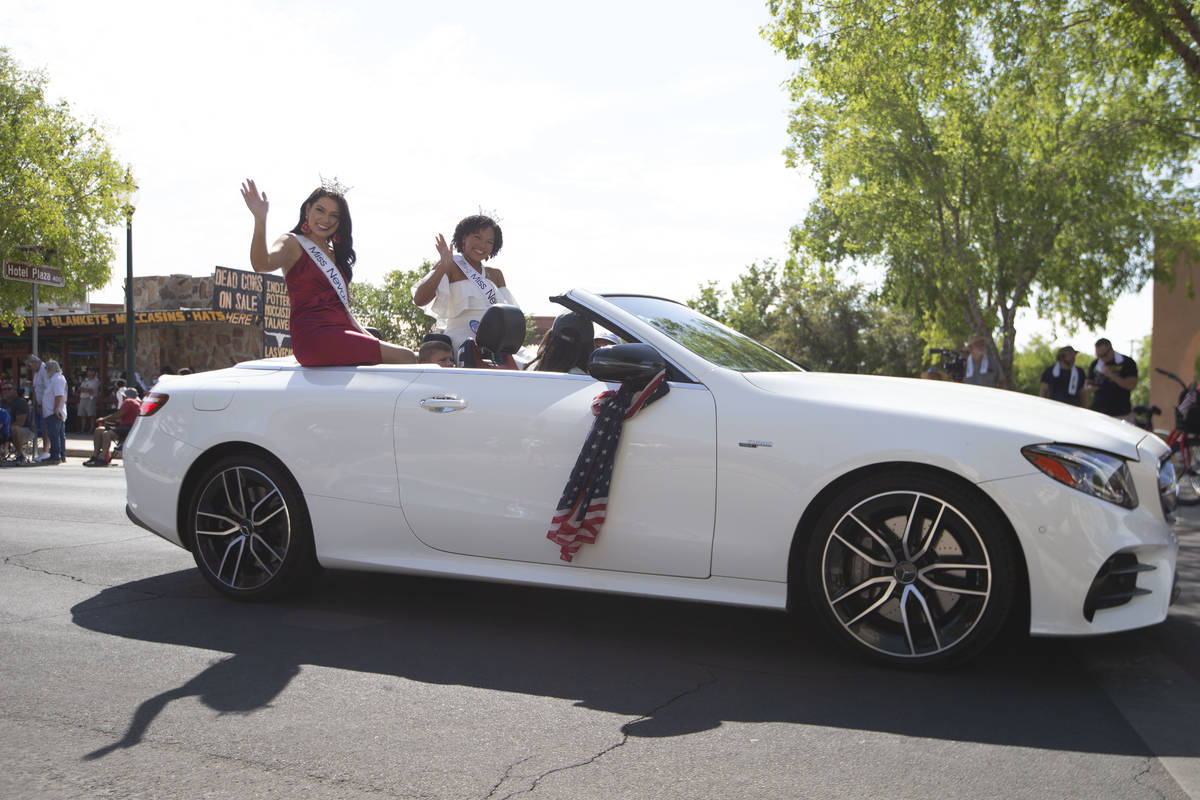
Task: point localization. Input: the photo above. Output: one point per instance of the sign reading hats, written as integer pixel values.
(47, 276)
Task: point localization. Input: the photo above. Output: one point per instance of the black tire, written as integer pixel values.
(912, 570)
(249, 527)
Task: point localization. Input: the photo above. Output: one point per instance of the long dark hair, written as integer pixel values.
(568, 344)
(343, 250)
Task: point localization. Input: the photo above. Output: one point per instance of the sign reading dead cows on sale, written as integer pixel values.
(238, 291)
(257, 299)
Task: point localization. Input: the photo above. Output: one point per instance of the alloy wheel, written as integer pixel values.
(242, 528)
(906, 574)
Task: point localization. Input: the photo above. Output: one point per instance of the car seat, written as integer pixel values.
(501, 333)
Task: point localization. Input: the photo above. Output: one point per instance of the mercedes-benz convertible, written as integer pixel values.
(915, 519)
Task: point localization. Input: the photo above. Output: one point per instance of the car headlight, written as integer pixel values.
(1090, 471)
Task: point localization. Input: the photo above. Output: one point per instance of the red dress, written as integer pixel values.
(323, 335)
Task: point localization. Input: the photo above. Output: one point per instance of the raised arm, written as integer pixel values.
(284, 252)
(427, 289)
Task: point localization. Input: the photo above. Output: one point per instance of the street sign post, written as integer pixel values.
(48, 276)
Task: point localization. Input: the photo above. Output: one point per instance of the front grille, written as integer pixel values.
(1115, 584)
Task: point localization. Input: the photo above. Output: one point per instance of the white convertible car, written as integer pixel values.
(916, 519)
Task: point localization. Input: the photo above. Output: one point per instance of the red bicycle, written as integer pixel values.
(1184, 441)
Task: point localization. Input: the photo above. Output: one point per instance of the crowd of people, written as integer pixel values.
(1105, 386)
(35, 408)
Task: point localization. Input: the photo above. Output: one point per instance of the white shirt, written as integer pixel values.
(56, 386)
(456, 305)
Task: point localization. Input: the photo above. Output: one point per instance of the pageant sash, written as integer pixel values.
(332, 273)
(486, 288)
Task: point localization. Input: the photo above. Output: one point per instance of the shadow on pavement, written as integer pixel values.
(675, 668)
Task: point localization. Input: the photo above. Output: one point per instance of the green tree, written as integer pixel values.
(1029, 364)
(987, 154)
(61, 189)
(817, 319)
(390, 308)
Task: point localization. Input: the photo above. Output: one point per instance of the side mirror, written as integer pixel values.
(633, 363)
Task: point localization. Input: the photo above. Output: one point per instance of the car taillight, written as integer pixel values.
(153, 402)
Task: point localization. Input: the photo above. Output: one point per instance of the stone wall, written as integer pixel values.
(200, 346)
(170, 292)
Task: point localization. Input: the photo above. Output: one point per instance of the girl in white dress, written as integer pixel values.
(460, 288)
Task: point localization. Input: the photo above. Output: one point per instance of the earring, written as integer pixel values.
(337, 238)
(304, 228)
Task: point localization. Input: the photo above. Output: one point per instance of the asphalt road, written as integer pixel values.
(123, 675)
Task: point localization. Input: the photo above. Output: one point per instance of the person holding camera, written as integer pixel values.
(1112, 377)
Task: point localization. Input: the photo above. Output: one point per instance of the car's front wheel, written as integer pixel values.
(912, 570)
(250, 532)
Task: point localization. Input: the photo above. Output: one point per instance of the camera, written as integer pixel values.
(953, 363)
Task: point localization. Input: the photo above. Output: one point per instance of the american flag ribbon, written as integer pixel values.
(584, 504)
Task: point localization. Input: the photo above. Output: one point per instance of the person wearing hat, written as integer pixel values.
(121, 421)
(604, 339)
(979, 370)
(1063, 381)
(567, 346)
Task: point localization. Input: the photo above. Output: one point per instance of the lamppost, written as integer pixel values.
(130, 344)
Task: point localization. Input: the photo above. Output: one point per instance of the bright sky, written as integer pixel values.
(630, 146)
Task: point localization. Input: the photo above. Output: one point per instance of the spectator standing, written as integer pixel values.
(979, 370)
(1112, 377)
(89, 390)
(54, 412)
(37, 382)
(1063, 381)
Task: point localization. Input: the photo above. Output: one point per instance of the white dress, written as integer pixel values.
(458, 306)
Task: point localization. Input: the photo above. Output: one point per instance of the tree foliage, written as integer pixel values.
(991, 155)
(61, 189)
(390, 308)
(817, 319)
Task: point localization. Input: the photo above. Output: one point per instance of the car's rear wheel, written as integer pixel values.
(912, 570)
(250, 532)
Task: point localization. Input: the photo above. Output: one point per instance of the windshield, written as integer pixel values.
(705, 337)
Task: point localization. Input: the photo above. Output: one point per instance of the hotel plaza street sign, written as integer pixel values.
(49, 276)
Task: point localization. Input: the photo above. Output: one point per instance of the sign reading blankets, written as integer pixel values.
(584, 502)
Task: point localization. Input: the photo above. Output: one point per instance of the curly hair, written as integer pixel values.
(343, 249)
(473, 223)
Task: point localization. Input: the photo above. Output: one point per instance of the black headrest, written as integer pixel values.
(501, 330)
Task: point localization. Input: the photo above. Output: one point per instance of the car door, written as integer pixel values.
(483, 457)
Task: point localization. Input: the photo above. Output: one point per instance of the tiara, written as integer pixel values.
(334, 185)
(483, 212)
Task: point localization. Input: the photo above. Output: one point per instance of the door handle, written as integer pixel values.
(443, 403)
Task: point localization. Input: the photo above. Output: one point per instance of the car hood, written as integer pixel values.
(1036, 418)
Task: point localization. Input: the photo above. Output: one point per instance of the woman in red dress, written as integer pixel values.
(317, 259)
